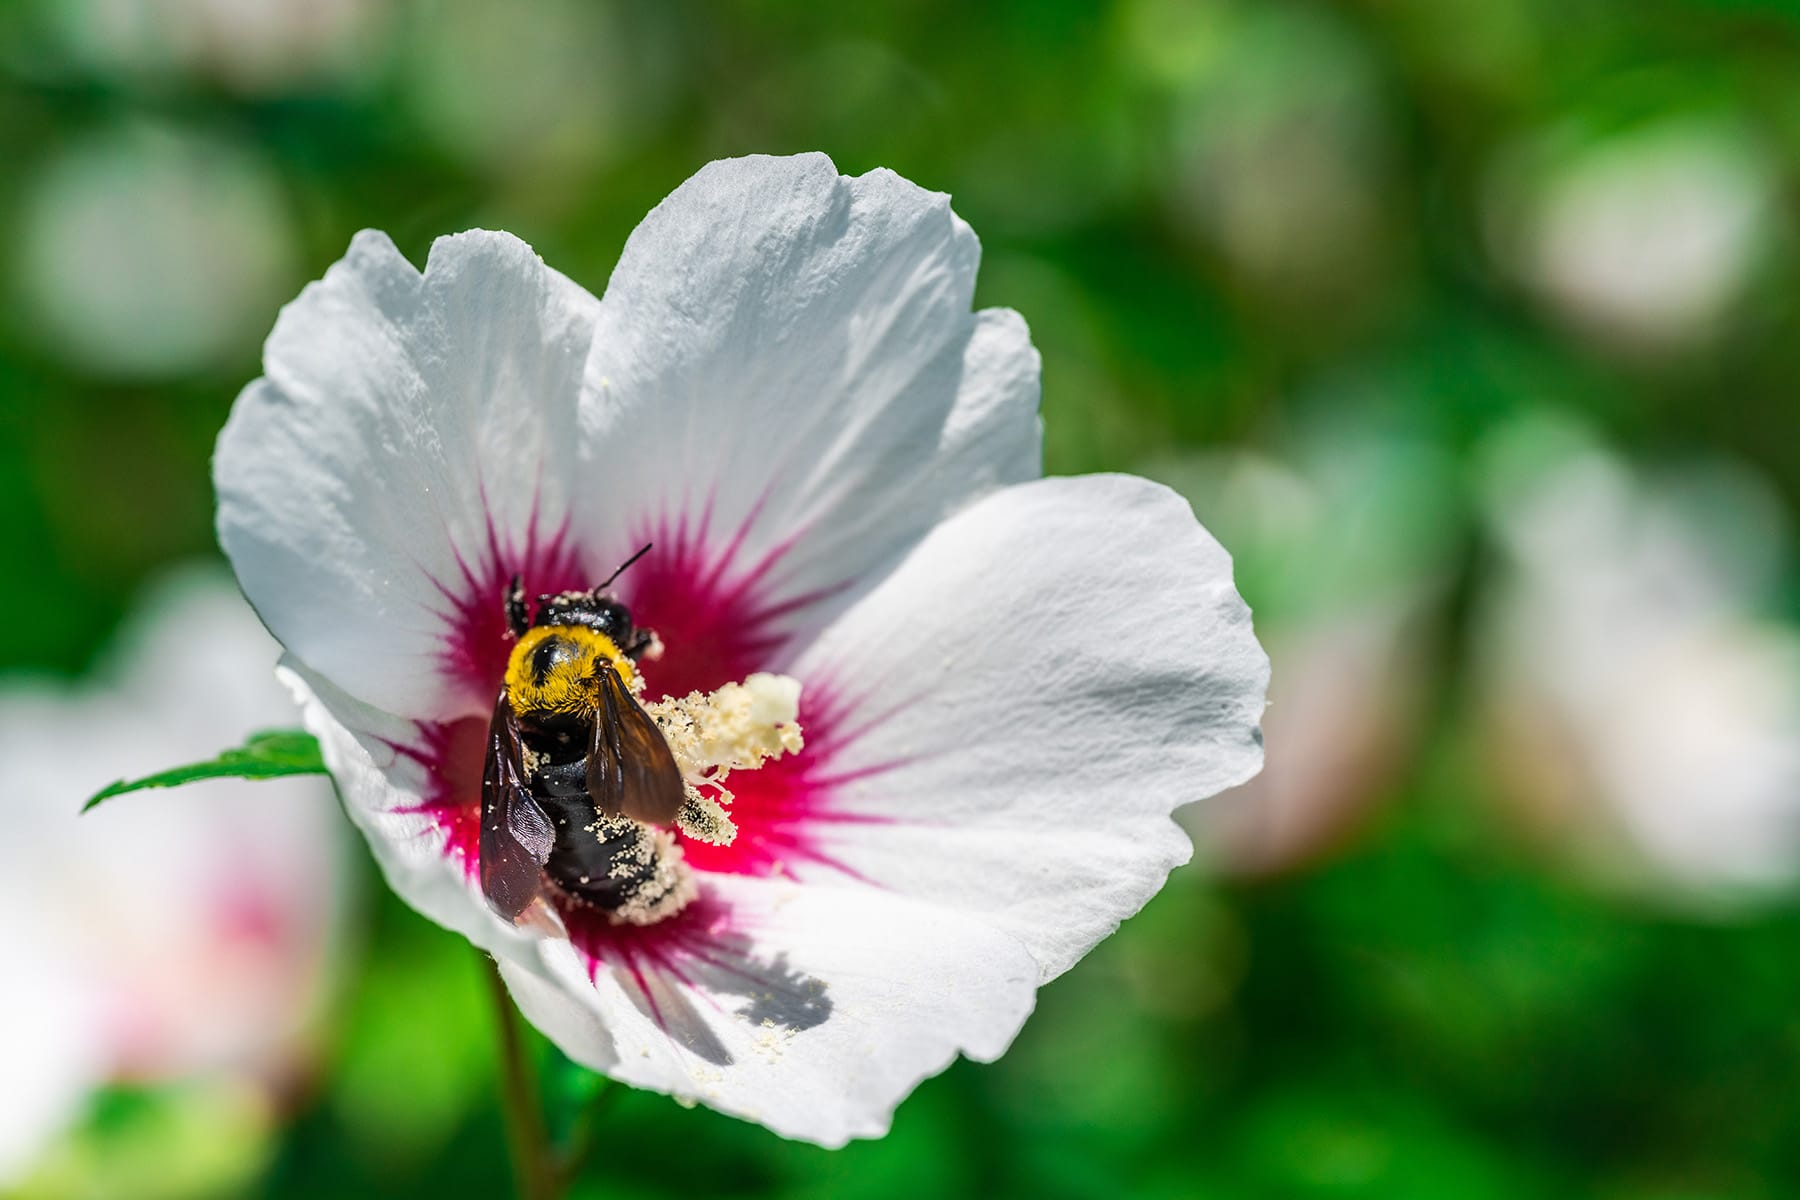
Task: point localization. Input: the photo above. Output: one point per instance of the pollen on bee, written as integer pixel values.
(737, 727)
(668, 886)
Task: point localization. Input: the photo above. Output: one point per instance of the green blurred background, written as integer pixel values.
(1468, 325)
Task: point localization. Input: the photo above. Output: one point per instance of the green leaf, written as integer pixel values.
(268, 754)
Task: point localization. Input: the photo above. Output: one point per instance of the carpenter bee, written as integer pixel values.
(577, 773)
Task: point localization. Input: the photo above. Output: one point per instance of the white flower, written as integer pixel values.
(146, 250)
(254, 46)
(1008, 684)
(1645, 240)
(1647, 717)
(167, 935)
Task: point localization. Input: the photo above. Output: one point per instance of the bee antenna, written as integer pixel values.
(623, 565)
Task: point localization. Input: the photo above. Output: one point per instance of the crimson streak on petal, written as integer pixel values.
(717, 615)
(450, 755)
(709, 949)
(474, 655)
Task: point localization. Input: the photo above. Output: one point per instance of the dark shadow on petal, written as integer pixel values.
(792, 1000)
(777, 994)
(660, 998)
(675, 970)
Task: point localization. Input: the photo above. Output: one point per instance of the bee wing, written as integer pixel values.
(515, 834)
(630, 771)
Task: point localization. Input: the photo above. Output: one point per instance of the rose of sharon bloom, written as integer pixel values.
(168, 935)
(1645, 716)
(1006, 683)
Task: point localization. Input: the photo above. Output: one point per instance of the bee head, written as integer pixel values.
(594, 610)
(555, 668)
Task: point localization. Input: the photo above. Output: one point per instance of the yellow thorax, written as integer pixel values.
(569, 686)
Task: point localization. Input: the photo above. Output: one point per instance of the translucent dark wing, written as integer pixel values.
(630, 771)
(515, 833)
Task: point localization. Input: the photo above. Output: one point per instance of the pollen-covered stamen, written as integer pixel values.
(737, 727)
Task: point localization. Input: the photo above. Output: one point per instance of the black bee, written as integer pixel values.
(576, 770)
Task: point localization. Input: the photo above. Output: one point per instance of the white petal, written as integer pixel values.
(815, 1019)
(786, 357)
(411, 432)
(383, 790)
(1082, 666)
(54, 1060)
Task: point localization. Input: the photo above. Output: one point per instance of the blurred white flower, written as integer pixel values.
(165, 935)
(1343, 713)
(1645, 240)
(1645, 717)
(53, 1060)
(144, 250)
(252, 46)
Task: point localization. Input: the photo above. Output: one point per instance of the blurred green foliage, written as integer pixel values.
(1233, 225)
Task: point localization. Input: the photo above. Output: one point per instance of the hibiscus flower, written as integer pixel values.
(1007, 683)
(190, 939)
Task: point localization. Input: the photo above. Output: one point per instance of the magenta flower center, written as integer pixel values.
(720, 619)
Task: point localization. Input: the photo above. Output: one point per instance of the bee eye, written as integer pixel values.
(550, 654)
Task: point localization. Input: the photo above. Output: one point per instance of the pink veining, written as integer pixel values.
(475, 656)
(664, 947)
(718, 616)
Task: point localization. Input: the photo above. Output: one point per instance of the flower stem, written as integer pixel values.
(534, 1170)
(580, 1145)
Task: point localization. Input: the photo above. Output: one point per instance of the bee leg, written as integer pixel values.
(518, 620)
(643, 644)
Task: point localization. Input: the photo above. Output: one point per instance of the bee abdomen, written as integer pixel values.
(612, 863)
(560, 780)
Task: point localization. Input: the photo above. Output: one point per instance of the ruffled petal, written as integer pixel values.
(811, 1011)
(412, 442)
(405, 785)
(1037, 687)
(787, 383)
